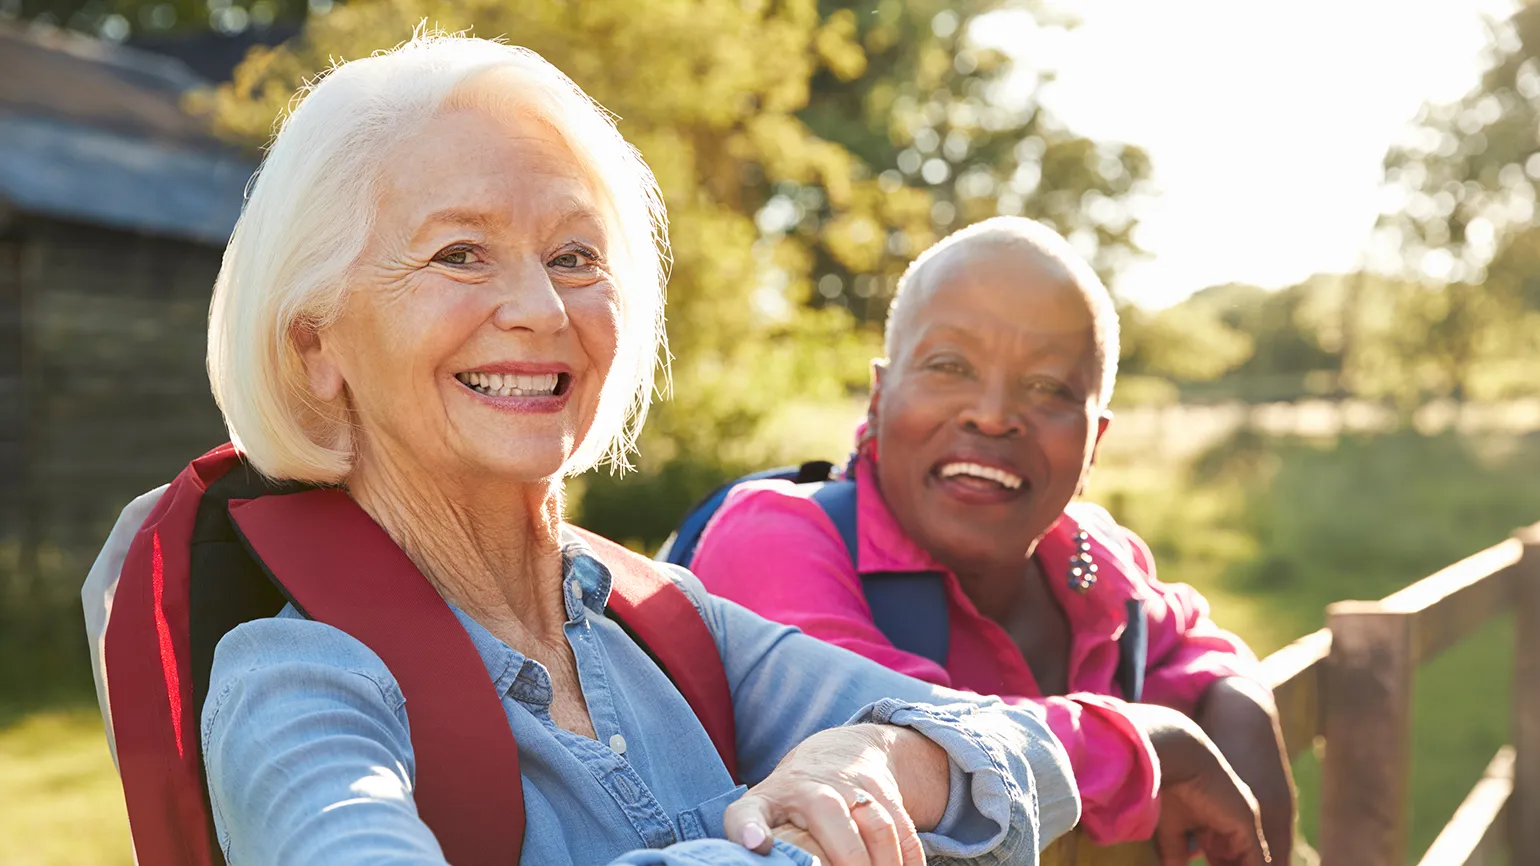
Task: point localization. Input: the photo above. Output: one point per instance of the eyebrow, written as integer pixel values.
(571, 209)
(459, 216)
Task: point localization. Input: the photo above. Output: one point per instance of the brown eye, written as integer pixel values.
(567, 260)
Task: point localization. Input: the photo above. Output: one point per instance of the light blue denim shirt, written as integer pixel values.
(309, 756)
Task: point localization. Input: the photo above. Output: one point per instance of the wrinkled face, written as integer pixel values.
(987, 416)
(481, 319)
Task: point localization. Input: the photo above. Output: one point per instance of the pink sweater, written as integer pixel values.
(773, 550)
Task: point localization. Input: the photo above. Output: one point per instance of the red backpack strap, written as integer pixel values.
(155, 725)
(339, 567)
(667, 622)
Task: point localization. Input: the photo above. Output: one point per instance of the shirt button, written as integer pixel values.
(618, 744)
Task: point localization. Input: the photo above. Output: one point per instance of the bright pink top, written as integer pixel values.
(773, 550)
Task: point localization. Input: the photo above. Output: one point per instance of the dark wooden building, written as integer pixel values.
(115, 205)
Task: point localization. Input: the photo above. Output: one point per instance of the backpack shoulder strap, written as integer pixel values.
(339, 567)
(908, 607)
(679, 549)
(155, 719)
(1133, 652)
(668, 626)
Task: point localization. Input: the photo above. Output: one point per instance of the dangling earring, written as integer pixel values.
(1082, 571)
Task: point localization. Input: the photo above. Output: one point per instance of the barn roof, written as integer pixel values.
(95, 132)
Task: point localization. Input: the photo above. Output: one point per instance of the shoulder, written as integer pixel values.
(771, 519)
(288, 656)
(1119, 539)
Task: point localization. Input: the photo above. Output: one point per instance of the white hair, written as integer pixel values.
(1057, 255)
(312, 206)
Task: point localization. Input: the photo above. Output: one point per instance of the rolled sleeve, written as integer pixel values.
(1010, 793)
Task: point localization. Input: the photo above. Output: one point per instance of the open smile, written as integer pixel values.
(519, 387)
(979, 481)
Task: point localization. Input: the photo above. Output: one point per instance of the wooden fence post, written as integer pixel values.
(1524, 808)
(1368, 726)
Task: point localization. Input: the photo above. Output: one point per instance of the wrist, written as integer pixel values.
(922, 771)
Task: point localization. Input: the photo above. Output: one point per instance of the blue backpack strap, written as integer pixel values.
(679, 549)
(1133, 652)
(908, 607)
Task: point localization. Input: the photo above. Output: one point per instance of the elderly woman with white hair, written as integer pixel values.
(444, 296)
(981, 432)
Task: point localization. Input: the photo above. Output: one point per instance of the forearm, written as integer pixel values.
(1239, 715)
(1000, 763)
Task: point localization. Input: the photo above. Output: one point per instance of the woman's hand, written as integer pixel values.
(852, 796)
(1240, 717)
(1201, 796)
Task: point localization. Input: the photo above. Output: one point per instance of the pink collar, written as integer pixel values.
(883, 545)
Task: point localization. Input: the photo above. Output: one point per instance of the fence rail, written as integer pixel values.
(1351, 684)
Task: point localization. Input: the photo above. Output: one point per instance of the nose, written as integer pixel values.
(993, 413)
(530, 302)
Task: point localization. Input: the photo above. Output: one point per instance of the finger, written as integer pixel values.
(748, 822)
(1234, 849)
(1171, 844)
(878, 831)
(791, 835)
(908, 834)
(822, 809)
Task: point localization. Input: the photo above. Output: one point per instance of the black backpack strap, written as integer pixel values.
(1133, 652)
(908, 607)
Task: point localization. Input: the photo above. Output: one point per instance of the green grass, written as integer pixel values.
(1272, 532)
(63, 804)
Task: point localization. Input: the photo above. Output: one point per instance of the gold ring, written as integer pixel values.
(862, 799)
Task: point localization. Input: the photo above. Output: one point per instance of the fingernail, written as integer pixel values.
(754, 836)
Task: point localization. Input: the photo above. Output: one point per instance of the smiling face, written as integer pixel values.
(987, 414)
(481, 320)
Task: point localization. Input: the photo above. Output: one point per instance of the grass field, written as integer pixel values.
(1270, 531)
(63, 806)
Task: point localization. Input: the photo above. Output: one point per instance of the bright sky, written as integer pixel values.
(1266, 120)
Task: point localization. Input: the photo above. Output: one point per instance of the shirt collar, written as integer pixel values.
(507, 666)
(883, 545)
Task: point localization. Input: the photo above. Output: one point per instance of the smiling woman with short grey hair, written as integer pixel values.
(981, 432)
(443, 298)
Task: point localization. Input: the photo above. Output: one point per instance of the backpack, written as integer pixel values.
(224, 546)
(908, 607)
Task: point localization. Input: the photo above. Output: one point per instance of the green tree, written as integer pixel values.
(720, 97)
(1463, 186)
(934, 106)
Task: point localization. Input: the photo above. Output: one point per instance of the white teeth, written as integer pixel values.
(510, 385)
(988, 473)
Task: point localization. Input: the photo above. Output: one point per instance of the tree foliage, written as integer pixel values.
(775, 130)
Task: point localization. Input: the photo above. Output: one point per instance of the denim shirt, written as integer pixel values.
(309, 756)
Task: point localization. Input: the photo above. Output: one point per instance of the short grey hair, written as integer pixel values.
(311, 209)
(1057, 255)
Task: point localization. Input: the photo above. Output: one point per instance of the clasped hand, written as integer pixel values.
(851, 796)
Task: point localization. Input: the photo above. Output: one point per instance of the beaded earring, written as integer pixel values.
(1082, 571)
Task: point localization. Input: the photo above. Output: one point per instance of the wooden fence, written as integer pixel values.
(1351, 684)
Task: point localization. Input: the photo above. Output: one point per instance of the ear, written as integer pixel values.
(317, 351)
(1102, 423)
(1103, 420)
(879, 372)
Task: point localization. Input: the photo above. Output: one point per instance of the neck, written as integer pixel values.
(999, 589)
(490, 547)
